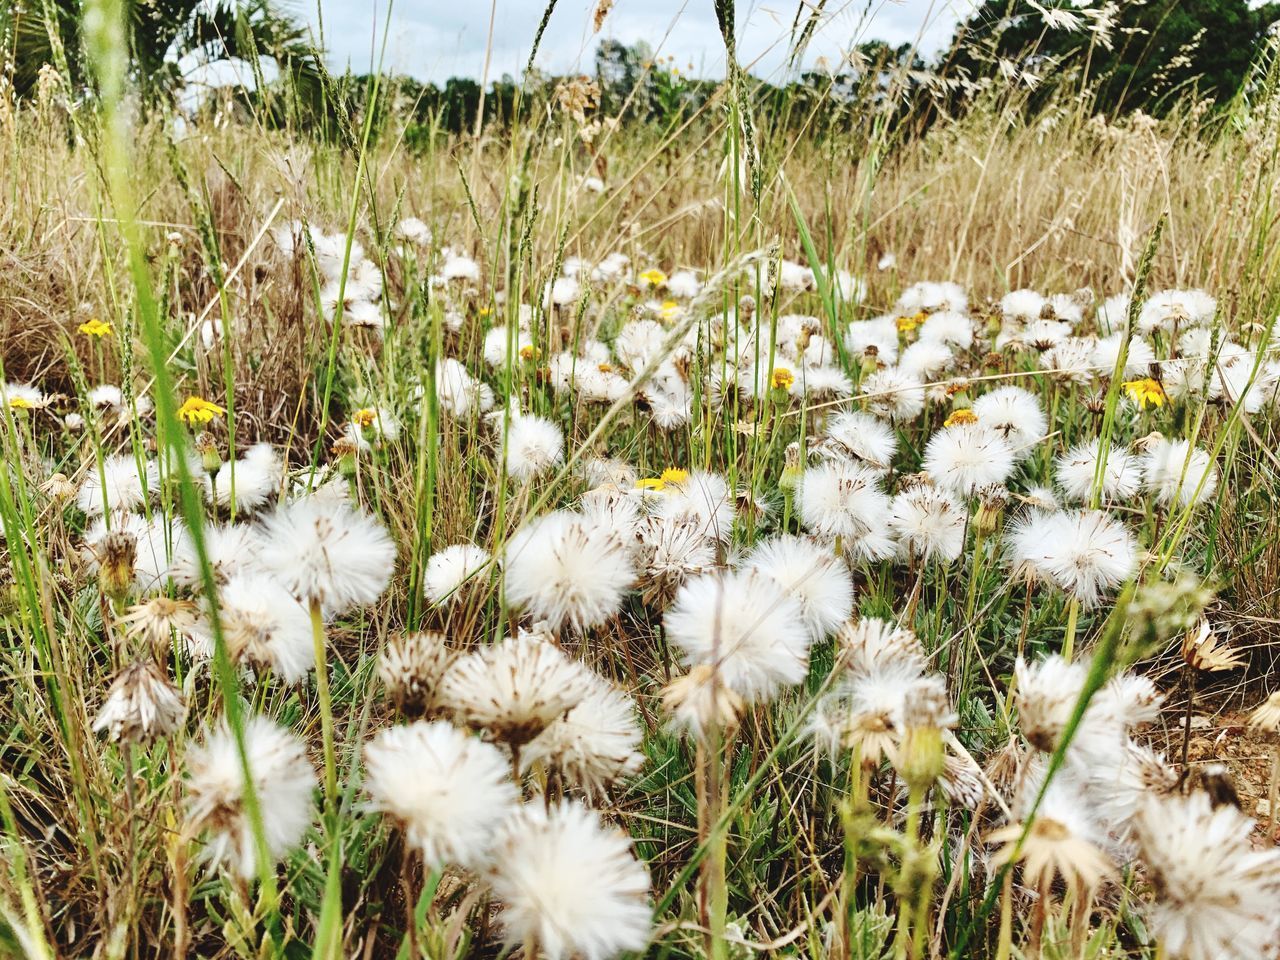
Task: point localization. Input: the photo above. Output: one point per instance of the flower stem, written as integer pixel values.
(1069, 641)
(326, 709)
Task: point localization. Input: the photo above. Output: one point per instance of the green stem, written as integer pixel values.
(326, 708)
(1069, 641)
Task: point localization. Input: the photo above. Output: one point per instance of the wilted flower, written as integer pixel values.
(516, 688)
(140, 706)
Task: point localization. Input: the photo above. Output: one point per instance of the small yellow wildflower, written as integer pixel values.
(962, 415)
(197, 410)
(654, 277)
(782, 378)
(1145, 393)
(95, 328)
(671, 477)
(529, 352)
(365, 417)
(906, 324)
(20, 403)
(669, 309)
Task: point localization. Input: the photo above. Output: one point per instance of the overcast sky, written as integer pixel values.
(437, 39)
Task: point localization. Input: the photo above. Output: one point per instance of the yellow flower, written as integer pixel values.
(782, 378)
(671, 477)
(962, 415)
(20, 403)
(1145, 392)
(910, 323)
(364, 417)
(669, 309)
(95, 328)
(654, 277)
(529, 352)
(196, 410)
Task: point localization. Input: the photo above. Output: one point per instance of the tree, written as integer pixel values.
(1138, 53)
(161, 33)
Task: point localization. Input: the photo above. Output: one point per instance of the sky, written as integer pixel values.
(433, 40)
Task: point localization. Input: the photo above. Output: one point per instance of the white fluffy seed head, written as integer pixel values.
(1121, 477)
(810, 574)
(967, 456)
(843, 499)
(745, 626)
(928, 523)
(1016, 415)
(448, 791)
(1215, 891)
(564, 571)
(878, 337)
(1084, 553)
(253, 479)
(412, 666)
(535, 446)
(266, 627)
(283, 784)
(327, 553)
(872, 644)
(1177, 472)
(702, 499)
(516, 688)
(855, 435)
(570, 884)
(594, 745)
(894, 394)
(118, 483)
(451, 570)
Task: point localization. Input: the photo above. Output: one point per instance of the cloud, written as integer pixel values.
(436, 39)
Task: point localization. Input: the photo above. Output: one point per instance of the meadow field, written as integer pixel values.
(727, 534)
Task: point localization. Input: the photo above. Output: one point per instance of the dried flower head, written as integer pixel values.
(516, 688)
(412, 667)
(141, 705)
(1203, 650)
(159, 619)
